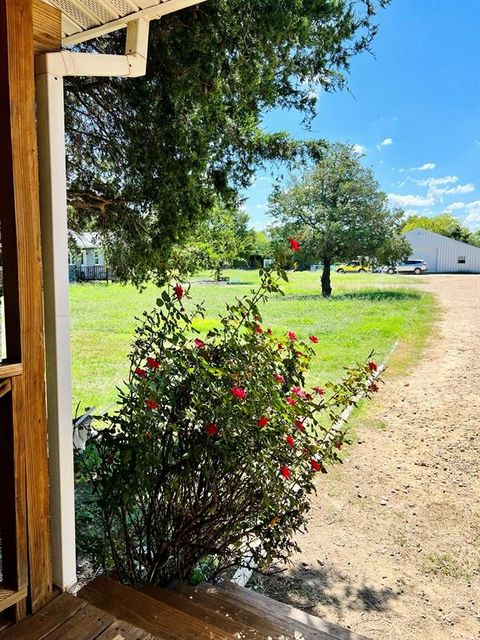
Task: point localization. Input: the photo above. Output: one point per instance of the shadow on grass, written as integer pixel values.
(306, 587)
(371, 295)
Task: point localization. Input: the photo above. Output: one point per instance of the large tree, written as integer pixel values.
(338, 208)
(148, 157)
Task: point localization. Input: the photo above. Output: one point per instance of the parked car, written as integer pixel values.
(410, 266)
(353, 267)
(387, 269)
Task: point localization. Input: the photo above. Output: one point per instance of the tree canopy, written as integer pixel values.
(149, 157)
(338, 209)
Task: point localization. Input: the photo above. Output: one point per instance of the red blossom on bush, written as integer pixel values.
(279, 346)
(212, 429)
(290, 441)
(316, 466)
(298, 392)
(285, 471)
(338, 445)
(313, 339)
(199, 343)
(262, 421)
(279, 378)
(269, 332)
(140, 372)
(373, 387)
(151, 404)
(319, 390)
(294, 244)
(238, 392)
(258, 329)
(299, 424)
(372, 366)
(152, 363)
(292, 336)
(178, 291)
(291, 400)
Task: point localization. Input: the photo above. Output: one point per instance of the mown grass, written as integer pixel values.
(367, 312)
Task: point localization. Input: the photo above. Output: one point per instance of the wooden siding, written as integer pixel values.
(25, 411)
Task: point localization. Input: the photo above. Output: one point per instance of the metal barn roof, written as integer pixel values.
(86, 19)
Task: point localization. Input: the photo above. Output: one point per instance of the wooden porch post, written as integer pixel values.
(18, 154)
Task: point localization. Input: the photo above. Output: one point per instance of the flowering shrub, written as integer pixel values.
(217, 441)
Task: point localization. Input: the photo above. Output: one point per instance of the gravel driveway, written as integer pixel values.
(393, 548)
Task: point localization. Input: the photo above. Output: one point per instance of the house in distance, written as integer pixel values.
(442, 254)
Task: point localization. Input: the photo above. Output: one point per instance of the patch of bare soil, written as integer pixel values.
(393, 547)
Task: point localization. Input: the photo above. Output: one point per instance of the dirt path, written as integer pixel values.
(393, 548)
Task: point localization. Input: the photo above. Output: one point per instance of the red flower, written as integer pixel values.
(269, 332)
(298, 392)
(140, 372)
(199, 343)
(178, 291)
(314, 339)
(316, 466)
(212, 429)
(258, 329)
(294, 244)
(292, 336)
(299, 424)
(290, 441)
(152, 363)
(151, 404)
(280, 379)
(291, 400)
(319, 390)
(299, 353)
(338, 445)
(373, 387)
(279, 346)
(372, 366)
(285, 471)
(263, 421)
(238, 392)
(308, 396)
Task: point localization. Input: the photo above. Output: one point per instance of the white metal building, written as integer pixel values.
(442, 254)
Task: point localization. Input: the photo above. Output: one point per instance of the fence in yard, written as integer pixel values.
(89, 274)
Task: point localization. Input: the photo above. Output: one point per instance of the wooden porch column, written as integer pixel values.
(18, 156)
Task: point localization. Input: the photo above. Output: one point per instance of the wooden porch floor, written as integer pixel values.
(106, 610)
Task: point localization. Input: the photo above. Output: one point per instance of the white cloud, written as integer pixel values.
(455, 206)
(384, 143)
(433, 182)
(426, 166)
(410, 200)
(359, 148)
(460, 188)
(260, 207)
(473, 217)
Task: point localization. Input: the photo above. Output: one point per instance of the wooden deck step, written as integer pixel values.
(156, 617)
(70, 618)
(205, 609)
(275, 610)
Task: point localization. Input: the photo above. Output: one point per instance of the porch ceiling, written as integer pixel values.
(86, 19)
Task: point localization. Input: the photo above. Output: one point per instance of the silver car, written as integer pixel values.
(411, 266)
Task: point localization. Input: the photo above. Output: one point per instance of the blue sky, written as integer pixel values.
(413, 110)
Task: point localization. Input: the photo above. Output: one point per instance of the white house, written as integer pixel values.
(442, 254)
(91, 252)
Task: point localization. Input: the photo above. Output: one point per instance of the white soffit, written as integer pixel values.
(86, 19)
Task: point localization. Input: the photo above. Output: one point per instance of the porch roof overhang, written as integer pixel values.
(87, 19)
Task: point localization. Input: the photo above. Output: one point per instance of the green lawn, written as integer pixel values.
(365, 313)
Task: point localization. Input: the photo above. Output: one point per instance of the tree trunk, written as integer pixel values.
(326, 285)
